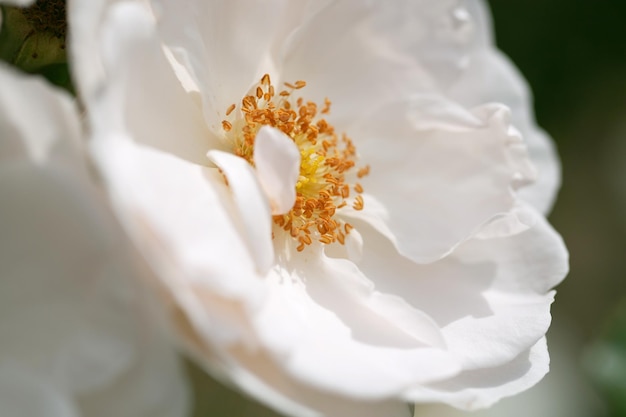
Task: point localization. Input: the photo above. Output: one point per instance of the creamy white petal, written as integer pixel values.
(493, 296)
(151, 105)
(56, 248)
(173, 210)
(225, 45)
(314, 334)
(277, 164)
(155, 385)
(565, 391)
(38, 122)
(70, 314)
(490, 76)
(356, 69)
(253, 207)
(517, 220)
(540, 250)
(482, 388)
(178, 235)
(56, 262)
(67, 301)
(326, 326)
(440, 175)
(67, 281)
(416, 46)
(260, 375)
(437, 34)
(85, 17)
(531, 263)
(294, 398)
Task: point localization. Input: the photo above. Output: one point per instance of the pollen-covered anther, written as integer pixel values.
(327, 165)
(358, 203)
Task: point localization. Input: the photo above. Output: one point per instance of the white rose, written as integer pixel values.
(329, 276)
(78, 336)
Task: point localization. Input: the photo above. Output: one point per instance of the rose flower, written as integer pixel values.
(341, 201)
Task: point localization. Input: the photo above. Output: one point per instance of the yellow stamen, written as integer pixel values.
(327, 160)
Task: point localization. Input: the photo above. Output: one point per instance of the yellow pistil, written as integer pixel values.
(327, 160)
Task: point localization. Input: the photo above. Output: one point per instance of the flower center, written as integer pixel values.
(328, 170)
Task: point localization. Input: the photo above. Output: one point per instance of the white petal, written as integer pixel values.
(88, 72)
(491, 297)
(67, 280)
(516, 221)
(153, 386)
(565, 391)
(252, 206)
(354, 246)
(482, 388)
(489, 76)
(225, 45)
(439, 171)
(70, 316)
(356, 69)
(437, 34)
(173, 210)
(540, 250)
(151, 106)
(277, 163)
(56, 253)
(39, 123)
(328, 359)
(327, 327)
(260, 375)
